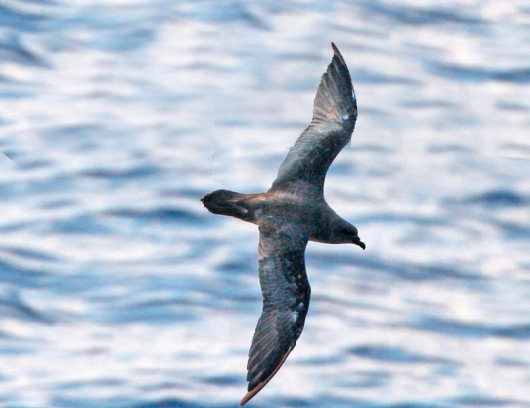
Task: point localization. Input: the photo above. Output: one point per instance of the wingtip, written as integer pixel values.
(337, 53)
(249, 395)
(245, 399)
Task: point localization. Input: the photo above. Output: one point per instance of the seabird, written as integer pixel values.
(292, 212)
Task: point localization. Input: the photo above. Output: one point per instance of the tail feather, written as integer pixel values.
(225, 202)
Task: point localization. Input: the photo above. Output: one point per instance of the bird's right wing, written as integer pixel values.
(334, 116)
(286, 293)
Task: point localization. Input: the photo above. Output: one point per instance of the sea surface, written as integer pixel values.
(119, 290)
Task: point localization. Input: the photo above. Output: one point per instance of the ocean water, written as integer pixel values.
(119, 290)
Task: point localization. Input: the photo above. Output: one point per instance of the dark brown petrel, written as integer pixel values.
(292, 212)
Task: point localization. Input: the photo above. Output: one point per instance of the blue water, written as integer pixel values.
(118, 289)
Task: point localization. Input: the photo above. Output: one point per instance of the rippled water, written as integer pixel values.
(117, 289)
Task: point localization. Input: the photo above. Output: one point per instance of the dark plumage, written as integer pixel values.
(292, 212)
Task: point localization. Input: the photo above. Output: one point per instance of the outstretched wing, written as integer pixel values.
(286, 295)
(334, 116)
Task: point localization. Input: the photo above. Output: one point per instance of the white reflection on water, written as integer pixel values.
(117, 289)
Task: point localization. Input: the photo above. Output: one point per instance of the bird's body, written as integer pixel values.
(291, 213)
(307, 210)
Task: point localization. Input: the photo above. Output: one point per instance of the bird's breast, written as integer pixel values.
(279, 207)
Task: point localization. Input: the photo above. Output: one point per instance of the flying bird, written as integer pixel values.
(292, 212)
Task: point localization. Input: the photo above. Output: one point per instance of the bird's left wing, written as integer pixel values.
(286, 293)
(334, 116)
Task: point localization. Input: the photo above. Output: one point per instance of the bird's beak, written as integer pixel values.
(357, 241)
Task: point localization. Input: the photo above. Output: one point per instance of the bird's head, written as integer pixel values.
(346, 233)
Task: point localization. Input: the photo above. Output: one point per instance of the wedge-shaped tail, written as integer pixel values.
(225, 202)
